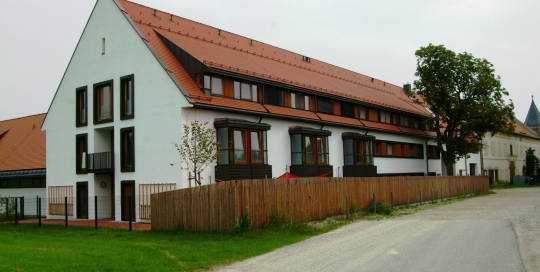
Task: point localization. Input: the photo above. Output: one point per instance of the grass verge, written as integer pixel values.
(56, 248)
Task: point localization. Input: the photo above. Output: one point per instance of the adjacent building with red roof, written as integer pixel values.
(139, 74)
(22, 157)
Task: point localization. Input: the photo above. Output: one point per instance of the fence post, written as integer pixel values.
(65, 210)
(95, 211)
(420, 196)
(431, 195)
(392, 198)
(374, 204)
(39, 212)
(347, 206)
(22, 207)
(482, 188)
(16, 199)
(129, 206)
(464, 190)
(441, 195)
(37, 205)
(407, 198)
(450, 193)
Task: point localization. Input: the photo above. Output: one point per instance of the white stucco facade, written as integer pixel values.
(111, 48)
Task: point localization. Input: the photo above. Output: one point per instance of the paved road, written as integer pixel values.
(494, 233)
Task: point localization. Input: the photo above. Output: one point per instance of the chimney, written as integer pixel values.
(407, 88)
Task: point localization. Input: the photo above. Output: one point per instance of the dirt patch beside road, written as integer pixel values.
(521, 206)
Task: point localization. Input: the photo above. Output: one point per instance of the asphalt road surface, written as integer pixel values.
(499, 232)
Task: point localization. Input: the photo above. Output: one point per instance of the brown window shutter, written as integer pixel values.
(337, 107)
(287, 96)
(228, 86)
(373, 115)
(356, 112)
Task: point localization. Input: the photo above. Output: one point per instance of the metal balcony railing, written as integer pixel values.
(102, 162)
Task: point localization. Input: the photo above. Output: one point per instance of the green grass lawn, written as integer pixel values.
(56, 248)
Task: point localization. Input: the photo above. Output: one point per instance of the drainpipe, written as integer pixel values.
(425, 154)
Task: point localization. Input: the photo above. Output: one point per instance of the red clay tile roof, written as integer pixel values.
(222, 50)
(522, 129)
(22, 145)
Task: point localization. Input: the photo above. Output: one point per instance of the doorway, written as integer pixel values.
(127, 200)
(82, 200)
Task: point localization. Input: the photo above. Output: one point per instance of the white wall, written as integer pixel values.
(279, 151)
(158, 103)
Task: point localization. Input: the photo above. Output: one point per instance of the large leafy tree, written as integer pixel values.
(465, 97)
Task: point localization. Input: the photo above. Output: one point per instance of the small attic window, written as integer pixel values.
(103, 46)
(306, 59)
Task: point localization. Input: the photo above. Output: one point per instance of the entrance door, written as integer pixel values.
(512, 170)
(128, 193)
(82, 200)
(472, 169)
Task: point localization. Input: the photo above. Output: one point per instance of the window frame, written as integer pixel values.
(387, 116)
(313, 135)
(81, 142)
(326, 108)
(98, 87)
(125, 147)
(81, 106)
(123, 103)
(210, 84)
(359, 144)
(228, 147)
(433, 152)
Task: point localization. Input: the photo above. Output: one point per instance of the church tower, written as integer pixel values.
(533, 117)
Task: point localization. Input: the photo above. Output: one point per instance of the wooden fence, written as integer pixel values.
(219, 206)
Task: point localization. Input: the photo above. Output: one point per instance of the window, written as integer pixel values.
(242, 142)
(347, 109)
(357, 149)
(325, 105)
(245, 90)
(273, 96)
(404, 121)
(214, 84)
(415, 123)
(82, 111)
(362, 112)
(103, 102)
(309, 146)
(81, 152)
(433, 152)
(398, 149)
(127, 107)
(16, 183)
(127, 149)
(385, 117)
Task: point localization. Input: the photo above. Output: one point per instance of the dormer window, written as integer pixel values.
(213, 84)
(385, 117)
(246, 91)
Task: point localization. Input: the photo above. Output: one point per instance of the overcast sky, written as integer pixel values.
(374, 38)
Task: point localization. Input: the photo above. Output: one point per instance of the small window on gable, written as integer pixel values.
(127, 107)
(103, 102)
(325, 105)
(81, 152)
(127, 149)
(82, 111)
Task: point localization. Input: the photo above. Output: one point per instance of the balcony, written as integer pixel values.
(102, 162)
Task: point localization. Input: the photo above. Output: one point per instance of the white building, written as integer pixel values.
(138, 74)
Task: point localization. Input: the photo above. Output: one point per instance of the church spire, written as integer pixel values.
(533, 116)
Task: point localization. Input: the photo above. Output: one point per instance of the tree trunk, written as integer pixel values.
(449, 169)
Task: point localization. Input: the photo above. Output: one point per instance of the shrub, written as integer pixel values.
(244, 223)
(382, 208)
